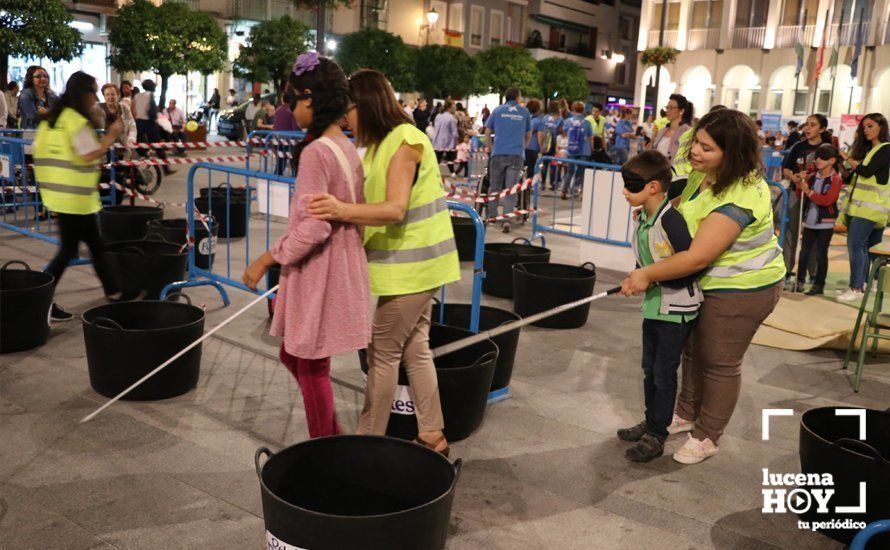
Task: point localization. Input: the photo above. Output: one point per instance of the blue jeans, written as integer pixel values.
(503, 173)
(663, 343)
(861, 235)
(621, 154)
(576, 173)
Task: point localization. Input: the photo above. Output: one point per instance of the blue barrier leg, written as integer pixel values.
(872, 529)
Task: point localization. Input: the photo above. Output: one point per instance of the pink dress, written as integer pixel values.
(323, 305)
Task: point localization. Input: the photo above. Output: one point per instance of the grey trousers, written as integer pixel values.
(503, 173)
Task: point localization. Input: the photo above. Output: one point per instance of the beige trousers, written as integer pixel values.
(400, 334)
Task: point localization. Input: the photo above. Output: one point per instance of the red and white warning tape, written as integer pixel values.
(502, 217)
(467, 196)
(184, 144)
(161, 162)
(131, 193)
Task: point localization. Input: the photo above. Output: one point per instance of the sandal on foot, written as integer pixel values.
(433, 444)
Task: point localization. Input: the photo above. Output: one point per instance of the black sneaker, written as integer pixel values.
(647, 448)
(815, 290)
(130, 296)
(633, 433)
(506, 227)
(59, 315)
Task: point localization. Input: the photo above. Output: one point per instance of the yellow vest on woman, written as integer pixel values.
(419, 253)
(870, 200)
(68, 185)
(754, 260)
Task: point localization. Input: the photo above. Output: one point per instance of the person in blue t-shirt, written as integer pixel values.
(548, 130)
(580, 141)
(532, 148)
(624, 132)
(509, 126)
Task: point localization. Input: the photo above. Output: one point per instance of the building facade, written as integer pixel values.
(742, 54)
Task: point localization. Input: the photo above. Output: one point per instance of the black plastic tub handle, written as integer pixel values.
(860, 447)
(522, 239)
(175, 297)
(104, 322)
(520, 267)
(458, 467)
(11, 262)
(256, 459)
(160, 238)
(591, 264)
(131, 247)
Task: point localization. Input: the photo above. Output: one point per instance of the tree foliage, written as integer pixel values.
(379, 50)
(271, 49)
(36, 28)
(444, 71)
(563, 78)
(503, 67)
(168, 39)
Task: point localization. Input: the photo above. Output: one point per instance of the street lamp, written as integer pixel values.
(431, 17)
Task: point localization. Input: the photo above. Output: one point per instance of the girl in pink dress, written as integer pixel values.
(323, 304)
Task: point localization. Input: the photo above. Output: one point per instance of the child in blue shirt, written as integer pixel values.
(580, 134)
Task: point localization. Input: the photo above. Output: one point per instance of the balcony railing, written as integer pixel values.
(748, 37)
(847, 32)
(670, 38)
(703, 39)
(788, 35)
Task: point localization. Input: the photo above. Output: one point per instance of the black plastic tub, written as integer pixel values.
(127, 223)
(353, 491)
(175, 230)
(26, 297)
(232, 218)
(458, 315)
(830, 444)
(147, 265)
(127, 340)
(464, 383)
(538, 287)
(239, 193)
(499, 260)
(464, 237)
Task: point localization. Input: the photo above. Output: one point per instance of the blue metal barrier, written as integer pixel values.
(276, 145)
(783, 206)
(539, 228)
(478, 269)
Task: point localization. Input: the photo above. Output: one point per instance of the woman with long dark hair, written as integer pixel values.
(679, 113)
(727, 205)
(411, 252)
(37, 98)
(66, 155)
(869, 203)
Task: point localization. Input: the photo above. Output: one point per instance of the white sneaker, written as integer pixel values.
(679, 425)
(850, 295)
(694, 451)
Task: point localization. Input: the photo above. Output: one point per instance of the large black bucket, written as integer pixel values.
(458, 315)
(232, 218)
(127, 340)
(127, 223)
(26, 297)
(354, 491)
(499, 260)
(830, 444)
(464, 237)
(538, 287)
(175, 230)
(147, 265)
(464, 383)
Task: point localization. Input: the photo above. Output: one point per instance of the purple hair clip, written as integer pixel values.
(306, 62)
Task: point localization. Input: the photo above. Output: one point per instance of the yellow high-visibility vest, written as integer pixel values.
(68, 185)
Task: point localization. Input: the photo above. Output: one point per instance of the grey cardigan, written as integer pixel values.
(675, 140)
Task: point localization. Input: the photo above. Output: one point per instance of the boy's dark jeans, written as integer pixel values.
(662, 347)
(815, 242)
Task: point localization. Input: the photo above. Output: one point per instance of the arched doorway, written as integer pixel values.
(698, 88)
(666, 88)
(741, 89)
(836, 93)
(880, 94)
(781, 94)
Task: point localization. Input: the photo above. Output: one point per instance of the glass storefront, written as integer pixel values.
(92, 61)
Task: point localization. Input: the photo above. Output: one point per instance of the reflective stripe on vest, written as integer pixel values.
(751, 244)
(424, 211)
(60, 163)
(411, 255)
(65, 188)
(758, 262)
